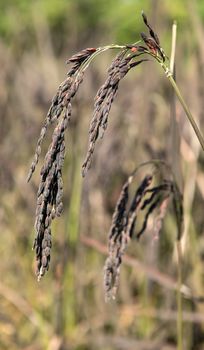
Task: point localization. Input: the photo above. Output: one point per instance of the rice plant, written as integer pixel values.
(147, 197)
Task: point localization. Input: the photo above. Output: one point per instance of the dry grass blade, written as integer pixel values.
(155, 275)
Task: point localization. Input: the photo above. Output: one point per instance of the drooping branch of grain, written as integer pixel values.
(124, 225)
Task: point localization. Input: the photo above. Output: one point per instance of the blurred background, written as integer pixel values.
(66, 310)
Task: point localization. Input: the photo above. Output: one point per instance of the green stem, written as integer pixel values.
(185, 107)
(179, 300)
(175, 134)
(169, 75)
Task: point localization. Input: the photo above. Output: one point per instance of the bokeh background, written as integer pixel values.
(66, 310)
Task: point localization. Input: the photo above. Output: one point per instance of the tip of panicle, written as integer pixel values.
(143, 14)
(144, 17)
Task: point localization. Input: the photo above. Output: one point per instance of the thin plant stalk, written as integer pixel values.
(187, 111)
(175, 133)
(179, 299)
(175, 149)
(99, 51)
(86, 64)
(173, 47)
(184, 105)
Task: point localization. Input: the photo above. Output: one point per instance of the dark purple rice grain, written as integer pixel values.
(124, 221)
(104, 100)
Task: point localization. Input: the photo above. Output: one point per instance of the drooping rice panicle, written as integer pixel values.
(50, 191)
(104, 99)
(124, 221)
